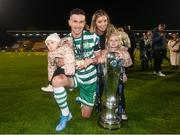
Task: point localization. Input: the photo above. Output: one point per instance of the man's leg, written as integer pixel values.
(60, 96)
(87, 98)
(122, 102)
(156, 61)
(86, 111)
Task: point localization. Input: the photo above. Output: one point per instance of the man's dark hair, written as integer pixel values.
(162, 25)
(77, 11)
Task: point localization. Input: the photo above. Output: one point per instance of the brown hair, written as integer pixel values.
(97, 14)
(77, 11)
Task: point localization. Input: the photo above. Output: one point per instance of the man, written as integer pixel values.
(159, 48)
(86, 50)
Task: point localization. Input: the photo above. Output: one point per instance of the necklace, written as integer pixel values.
(79, 51)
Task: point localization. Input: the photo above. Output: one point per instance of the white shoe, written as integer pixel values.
(49, 88)
(160, 74)
(124, 116)
(71, 89)
(154, 73)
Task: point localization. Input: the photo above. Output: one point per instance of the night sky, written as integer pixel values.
(53, 14)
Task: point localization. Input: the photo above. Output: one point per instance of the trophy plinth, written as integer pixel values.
(109, 117)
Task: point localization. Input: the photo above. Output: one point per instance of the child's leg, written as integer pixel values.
(121, 96)
(122, 102)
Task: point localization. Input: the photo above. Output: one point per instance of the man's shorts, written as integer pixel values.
(87, 93)
(58, 71)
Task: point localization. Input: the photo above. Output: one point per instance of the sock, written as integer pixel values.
(61, 99)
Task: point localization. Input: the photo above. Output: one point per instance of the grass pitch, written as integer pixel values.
(153, 104)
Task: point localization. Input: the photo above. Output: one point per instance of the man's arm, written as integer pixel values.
(97, 52)
(89, 61)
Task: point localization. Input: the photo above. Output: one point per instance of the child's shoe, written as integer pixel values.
(49, 88)
(124, 116)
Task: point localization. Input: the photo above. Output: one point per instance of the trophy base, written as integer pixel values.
(110, 124)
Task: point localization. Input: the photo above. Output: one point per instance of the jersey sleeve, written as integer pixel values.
(96, 43)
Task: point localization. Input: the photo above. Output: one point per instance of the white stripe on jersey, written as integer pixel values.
(86, 75)
(87, 82)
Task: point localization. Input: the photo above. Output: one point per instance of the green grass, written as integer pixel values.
(153, 103)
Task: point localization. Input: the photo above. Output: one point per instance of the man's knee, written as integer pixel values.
(86, 111)
(57, 81)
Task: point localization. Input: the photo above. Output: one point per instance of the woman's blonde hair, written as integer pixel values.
(96, 15)
(124, 37)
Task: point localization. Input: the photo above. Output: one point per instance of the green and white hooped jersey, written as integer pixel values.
(90, 44)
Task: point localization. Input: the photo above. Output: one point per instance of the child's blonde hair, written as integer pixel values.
(114, 32)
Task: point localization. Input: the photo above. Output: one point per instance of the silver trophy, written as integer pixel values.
(108, 117)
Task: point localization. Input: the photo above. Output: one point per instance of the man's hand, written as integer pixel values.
(59, 62)
(84, 63)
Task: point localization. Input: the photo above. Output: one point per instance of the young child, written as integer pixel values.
(115, 44)
(59, 48)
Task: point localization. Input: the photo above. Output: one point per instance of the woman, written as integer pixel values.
(101, 26)
(174, 47)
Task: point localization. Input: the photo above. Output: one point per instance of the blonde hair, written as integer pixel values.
(120, 29)
(125, 38)
(96, 15)
(111, 29)
(115, 32)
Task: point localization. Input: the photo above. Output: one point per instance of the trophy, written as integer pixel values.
(108, 117)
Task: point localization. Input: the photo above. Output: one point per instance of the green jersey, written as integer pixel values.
(86, 79)
(84, 47)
